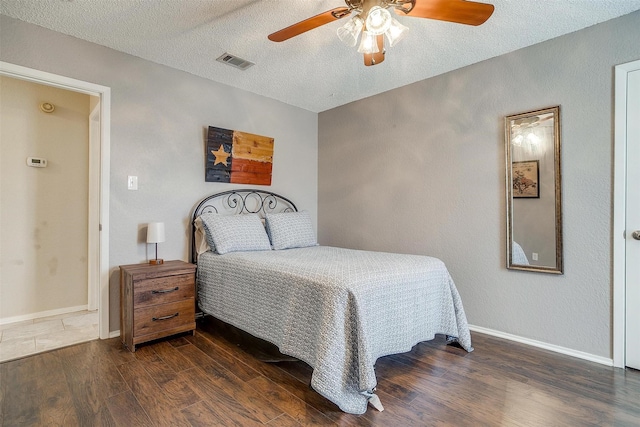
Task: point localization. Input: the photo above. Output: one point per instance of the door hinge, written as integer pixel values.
(99, 227)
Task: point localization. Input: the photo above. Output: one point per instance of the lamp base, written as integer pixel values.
(156, 261)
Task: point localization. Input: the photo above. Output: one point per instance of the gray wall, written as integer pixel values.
(428, 178)
(158, 119)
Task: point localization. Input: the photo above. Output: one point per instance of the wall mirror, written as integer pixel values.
(534, 191)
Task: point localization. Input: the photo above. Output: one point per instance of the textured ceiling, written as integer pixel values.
(314, 71)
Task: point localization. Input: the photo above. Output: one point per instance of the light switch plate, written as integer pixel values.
(132, 182)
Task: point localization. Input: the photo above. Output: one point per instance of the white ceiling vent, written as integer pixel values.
(234, 61)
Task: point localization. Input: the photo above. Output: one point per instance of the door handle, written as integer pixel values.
(636, 234)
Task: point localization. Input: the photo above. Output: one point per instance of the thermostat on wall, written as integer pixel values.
(37, 162)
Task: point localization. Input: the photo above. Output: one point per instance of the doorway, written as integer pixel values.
(98, 233)
(626, 249)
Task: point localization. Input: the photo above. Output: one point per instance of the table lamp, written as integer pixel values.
(155, 234)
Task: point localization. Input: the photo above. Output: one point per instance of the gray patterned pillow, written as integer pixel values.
(232, 233)
(290, 230)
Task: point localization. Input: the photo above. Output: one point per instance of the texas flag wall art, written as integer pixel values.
(238, 157)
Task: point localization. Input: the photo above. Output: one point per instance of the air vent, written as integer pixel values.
(234, 61)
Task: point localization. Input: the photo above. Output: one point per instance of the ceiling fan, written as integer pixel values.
(372, 19)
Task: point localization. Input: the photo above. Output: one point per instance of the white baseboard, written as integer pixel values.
(555, 348)
(41, 314)
(114, 334)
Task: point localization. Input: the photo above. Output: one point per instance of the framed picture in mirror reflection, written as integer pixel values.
(526, 179)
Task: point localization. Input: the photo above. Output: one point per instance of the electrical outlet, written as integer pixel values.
(534, 256)
(132, 182)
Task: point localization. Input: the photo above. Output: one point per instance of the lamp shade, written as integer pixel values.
(349, 33)
(155, 232)
(368, 43)
(396, 32)
(378, 20)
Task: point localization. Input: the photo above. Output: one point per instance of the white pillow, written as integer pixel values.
(205, 220)
(201, 240)
(232, 233)
(290, 230)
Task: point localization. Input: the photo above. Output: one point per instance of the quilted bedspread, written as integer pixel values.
(338, 310)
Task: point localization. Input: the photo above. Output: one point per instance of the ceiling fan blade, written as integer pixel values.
(309, 24)
(459, 11)
(375, 58)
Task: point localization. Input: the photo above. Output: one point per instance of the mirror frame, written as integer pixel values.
(558, 268)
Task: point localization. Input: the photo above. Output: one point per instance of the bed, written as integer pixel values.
(260, 269)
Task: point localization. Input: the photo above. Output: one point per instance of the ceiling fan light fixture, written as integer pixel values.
(517, 140)
(371, 20)
(350, 31)
(378, 20)
(533, 139)
(396, 32)
(368, 43)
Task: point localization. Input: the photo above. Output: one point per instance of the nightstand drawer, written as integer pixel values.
(156, 301)
(162, 290)
(158, 318)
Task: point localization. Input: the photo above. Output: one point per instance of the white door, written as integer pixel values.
(632, 346)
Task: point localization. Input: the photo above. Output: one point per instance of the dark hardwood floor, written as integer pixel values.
(213, 378)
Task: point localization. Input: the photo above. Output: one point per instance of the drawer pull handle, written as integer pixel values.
(171, 316)
(166, 291)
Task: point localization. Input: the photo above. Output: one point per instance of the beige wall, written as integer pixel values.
(420, 170)
(43, 227)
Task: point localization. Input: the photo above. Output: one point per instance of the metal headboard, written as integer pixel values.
(233, 202)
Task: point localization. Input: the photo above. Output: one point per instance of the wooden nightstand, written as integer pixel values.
(156, 301)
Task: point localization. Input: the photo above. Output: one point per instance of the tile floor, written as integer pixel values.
(35, 336)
